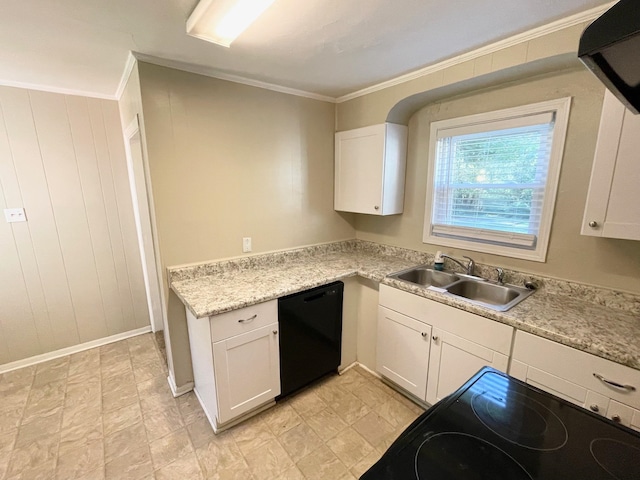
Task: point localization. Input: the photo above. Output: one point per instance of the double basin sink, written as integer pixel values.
(475, 290)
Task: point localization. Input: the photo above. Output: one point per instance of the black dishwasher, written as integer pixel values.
(310, 335)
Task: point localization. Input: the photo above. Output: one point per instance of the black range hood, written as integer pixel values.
(610, 47)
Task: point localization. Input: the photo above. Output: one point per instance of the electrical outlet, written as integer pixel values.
(16, 215)
(246, 244)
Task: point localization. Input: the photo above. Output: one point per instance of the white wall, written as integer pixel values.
(72, 272)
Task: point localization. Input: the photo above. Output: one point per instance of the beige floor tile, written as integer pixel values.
(350, 447)
(90, 428)
(122, 418)
(114, 399)
(373, 428)
(292, 473)
(184, 468)
(351, 379)
(281, 418)
(20, 377)
(154, 385)
(219, 453)
(365, 464)
(134, 465)
(114, 349)
(147, 370)
(76, 437)
(307, 403)
(167, 449)
(349, 408)
(371, 394)
(158, 401)
(51, 371)
(7, 442)
(124, 441)
(10, 418)
(44, 400)
(113, 404)
(268, 461)
(35, 461)
(300, 441)
(321, 464)
(84, 363)
(116, 367)
(39, 427)
(251, 434)
(327, 424)
(395, 413)
(97, 474)
(14, 395)
(200, 432)
(237, 471)
(82, 459)
(189, 407)
(162, 422)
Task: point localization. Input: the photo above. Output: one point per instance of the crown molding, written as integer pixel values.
(213, 73)
(126, 73)
(52, 89)
(567, 22)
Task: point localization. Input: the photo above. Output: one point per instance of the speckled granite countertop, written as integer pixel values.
(598, 321)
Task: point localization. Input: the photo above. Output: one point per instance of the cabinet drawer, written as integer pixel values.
(579, 367)
(243, 320)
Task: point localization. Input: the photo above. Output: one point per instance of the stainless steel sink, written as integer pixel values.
(475, 290)
(426, 276)
(491, 295)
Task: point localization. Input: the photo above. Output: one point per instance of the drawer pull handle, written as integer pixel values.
(248, 320)
(628, 388)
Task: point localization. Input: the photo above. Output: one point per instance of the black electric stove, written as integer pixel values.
(497, 427)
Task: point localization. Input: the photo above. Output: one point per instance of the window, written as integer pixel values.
(493, 178)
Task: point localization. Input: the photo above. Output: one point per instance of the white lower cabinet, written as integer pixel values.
(236, 362)
(403, 350)
(454, 360)
(430, 349)
(602, 386)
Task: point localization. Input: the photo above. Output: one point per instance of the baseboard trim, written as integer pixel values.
(372, 372)
(178, 391)
(63, 352)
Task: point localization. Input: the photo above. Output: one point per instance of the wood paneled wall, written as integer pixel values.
(72, 272)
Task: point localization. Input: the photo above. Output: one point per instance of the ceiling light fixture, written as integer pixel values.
(222, 21)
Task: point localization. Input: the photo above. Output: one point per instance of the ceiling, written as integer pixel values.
(327, 47)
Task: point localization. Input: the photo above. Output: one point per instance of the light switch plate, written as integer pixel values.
(246, 244)
(14, 215)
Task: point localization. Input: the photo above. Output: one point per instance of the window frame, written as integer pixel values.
(561, 108)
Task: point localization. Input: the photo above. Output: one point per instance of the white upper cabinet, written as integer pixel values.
(612, 208)
(370, 169)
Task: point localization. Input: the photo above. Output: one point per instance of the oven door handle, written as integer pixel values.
(628, 388)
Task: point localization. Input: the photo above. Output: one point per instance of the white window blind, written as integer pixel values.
(490, 179)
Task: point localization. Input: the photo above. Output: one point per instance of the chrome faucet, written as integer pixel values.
(500, 273)
(469, 267)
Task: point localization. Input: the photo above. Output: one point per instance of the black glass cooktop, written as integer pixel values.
(496, 427)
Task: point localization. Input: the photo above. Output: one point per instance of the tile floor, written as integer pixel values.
(108, 413)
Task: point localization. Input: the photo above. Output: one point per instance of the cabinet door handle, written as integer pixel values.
(248, 320)
(616, 418)
(628, 388)
(435, 338)
(376, 207)
(594, 408)
(424, 334)
(593, 224)
(275, 332)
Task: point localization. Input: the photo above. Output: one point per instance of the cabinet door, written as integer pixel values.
(612, 209)
(454, 360)
(247, 371)
(359, 169)
(403, 351)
